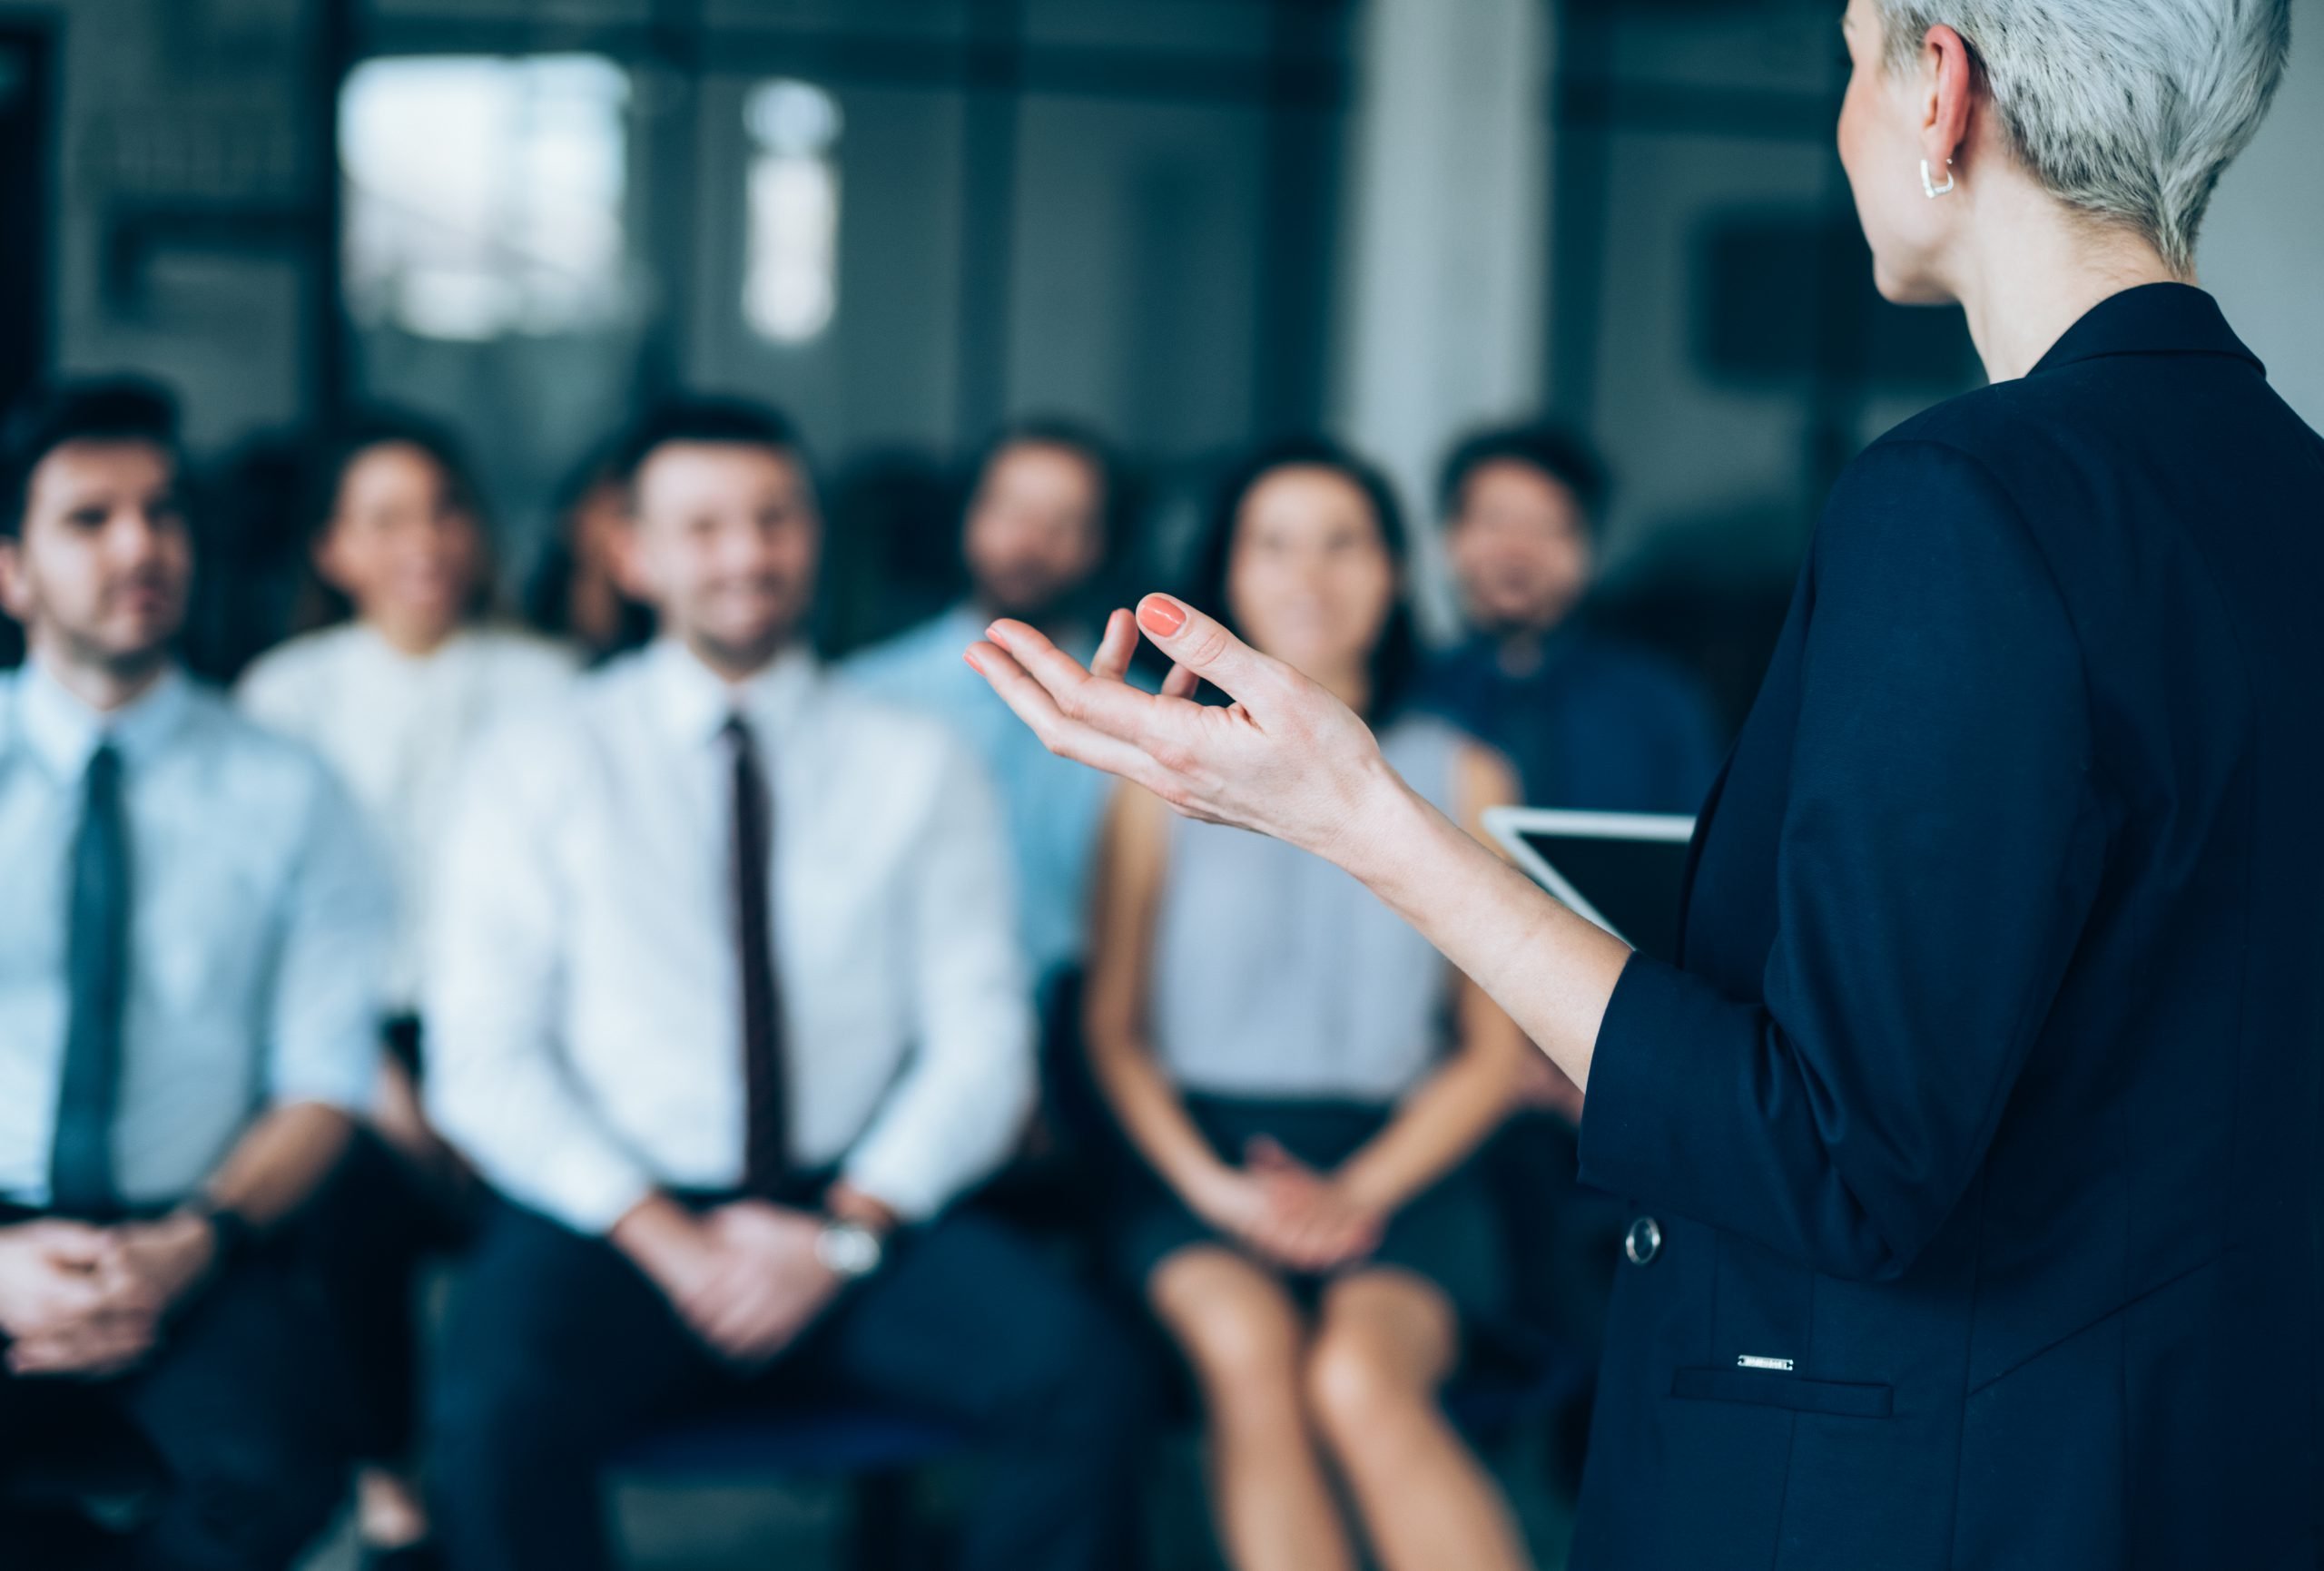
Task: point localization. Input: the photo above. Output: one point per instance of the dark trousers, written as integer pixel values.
(288, 1366)
(558, 1349)
(363, 1243)
(239, 1415)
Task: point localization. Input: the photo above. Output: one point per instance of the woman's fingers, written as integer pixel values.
(1111, 662)
(1114, 708)
(1201, 645)
(1038, 707)
(1180, 683)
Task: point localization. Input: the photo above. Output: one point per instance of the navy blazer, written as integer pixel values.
(1974, 1141)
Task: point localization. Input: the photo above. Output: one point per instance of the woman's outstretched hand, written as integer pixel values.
(1288, 760)
(1285, 759)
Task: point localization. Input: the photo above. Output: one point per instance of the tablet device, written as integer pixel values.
(1624, 871)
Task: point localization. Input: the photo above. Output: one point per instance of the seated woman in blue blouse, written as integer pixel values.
(1305, 1078)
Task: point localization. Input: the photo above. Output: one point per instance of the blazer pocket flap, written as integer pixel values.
(1776, 1388)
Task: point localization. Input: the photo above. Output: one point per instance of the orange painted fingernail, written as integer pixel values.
(1161, 615)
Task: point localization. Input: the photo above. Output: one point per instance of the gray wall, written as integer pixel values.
(2262, 249)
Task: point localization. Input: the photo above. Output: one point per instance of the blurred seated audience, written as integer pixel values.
(188, 1018)
(1034, 536)
(393, 692)
(1589, 722)
(1306, 1081)
(725, 1000)
(573, 593)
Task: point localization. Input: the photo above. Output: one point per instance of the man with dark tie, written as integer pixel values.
(188, 949)
(729, 1007)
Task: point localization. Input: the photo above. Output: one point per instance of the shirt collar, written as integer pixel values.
(376, 647)
(62, 731)
(694, 700)
(2166, 318)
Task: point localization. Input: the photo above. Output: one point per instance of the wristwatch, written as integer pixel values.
(847, 1250)
(231, 1234)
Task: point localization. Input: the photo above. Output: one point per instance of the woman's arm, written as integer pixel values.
(1465, 1100)
(1132, 858)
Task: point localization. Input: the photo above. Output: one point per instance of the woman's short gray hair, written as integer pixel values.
(2128, 109)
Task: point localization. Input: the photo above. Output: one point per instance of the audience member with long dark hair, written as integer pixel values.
(1274, 1043)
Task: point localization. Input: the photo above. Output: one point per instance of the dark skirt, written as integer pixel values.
(1445, 1234)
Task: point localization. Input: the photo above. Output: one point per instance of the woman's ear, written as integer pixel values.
(1951, 79)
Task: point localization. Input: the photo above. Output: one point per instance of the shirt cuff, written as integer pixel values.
(906, 1187)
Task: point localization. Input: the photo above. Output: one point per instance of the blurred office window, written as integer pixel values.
(903, 219)
(492, 255)
(485, 196)
(791, 283)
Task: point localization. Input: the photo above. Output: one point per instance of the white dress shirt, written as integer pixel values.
(258, 920)
(583, 999)
(398, 728)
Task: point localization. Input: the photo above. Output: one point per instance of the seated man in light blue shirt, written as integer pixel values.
(1037, 531)
(189, 948)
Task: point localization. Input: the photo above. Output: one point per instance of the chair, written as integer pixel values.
(875, 1447)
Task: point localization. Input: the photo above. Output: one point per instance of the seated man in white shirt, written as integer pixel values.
(189, 947)
(726, 1002)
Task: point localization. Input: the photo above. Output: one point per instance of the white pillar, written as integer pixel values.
(1441, 324)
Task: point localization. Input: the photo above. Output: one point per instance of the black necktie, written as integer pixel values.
(97, 962)
(765, 1091)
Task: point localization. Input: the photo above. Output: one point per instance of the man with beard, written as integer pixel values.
(1590, 723)
(189, 951)
(727, 1005)
(1034, 536)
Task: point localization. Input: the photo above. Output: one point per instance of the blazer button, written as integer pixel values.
(1643, 1242)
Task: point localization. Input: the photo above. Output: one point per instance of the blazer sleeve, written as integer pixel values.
(1942, 843)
